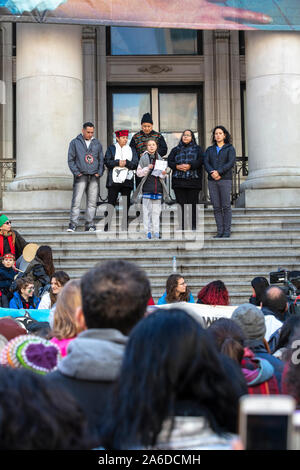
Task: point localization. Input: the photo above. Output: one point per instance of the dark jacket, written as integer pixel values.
(191, 154)
(138, 142)
(7, 276)
(110, 163)
(83, 160)
(260, 350)
(222, 162)
(89, 371)
(18, 242)
(41, 280)
(17, 302)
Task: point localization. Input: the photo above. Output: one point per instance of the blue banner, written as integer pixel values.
(191, 14)
(39, 315)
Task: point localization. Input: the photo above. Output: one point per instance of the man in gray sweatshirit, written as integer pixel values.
(86, 162)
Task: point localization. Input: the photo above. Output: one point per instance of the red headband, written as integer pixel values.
(122, 133)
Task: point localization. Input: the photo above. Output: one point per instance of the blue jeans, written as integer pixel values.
(220, 196)
(88, 184)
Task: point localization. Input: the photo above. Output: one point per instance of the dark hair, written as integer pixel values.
(292, 378)
(192, 134)
(275, 299)
(114, 295)
(62, 277)
(287, 331)
(229, 338)
(88, 124)
(259, 284)
(23, 282)
(227, 139)
(214, 293)
(171, 286)
(36, 414)
(44, 253)
(169, 361)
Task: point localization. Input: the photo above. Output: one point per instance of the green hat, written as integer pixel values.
(3, 219)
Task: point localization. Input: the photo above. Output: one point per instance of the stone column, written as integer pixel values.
(49, 115)
(273, 119)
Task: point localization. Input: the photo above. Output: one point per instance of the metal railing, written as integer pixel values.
(7, 174)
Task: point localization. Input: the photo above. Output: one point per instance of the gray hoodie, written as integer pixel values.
(83, 160)
(96, 355)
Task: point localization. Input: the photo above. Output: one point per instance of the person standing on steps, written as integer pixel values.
(86, 162)
(121, 160)
(139, 140)
(219, 160)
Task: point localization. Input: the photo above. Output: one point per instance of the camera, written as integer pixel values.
(290, 283)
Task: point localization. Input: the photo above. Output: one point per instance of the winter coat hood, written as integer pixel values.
(96, 355)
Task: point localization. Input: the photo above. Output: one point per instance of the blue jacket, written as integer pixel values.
(16, 302)
(7, 276)
(162, 299)
(222, 162)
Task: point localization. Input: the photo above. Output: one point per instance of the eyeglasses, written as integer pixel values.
(7, 222)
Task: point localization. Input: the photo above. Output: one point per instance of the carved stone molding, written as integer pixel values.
(155, 68)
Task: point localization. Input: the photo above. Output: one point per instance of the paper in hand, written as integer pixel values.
(160, 166)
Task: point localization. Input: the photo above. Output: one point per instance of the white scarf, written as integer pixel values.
(124, 153)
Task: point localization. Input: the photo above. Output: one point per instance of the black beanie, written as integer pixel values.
(147, 118)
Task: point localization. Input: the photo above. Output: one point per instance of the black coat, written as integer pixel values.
(196, 165)
(222, 162)
(110, 163)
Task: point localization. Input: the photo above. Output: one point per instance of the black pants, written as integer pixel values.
(113, 193)
(187, 199)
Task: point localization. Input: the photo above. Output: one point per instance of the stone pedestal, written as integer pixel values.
(49, 115)
(273, 117)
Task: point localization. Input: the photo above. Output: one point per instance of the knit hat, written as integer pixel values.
(122, 133)
(147, 118)
(31, 352)
(251, 320)
(3, 219)
(9, 328)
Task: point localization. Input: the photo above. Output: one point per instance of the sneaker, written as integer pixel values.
(219, 235)
(71, 228)
(149, 236)
(226, 235)
(92, 228)
(156, 235)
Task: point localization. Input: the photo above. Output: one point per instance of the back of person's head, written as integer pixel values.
(275, 299)
(68, 301)
(44, 253)
(251, 320)
(31, 352)
(259, 284)
(229, 338)
(36, 414)
(114, 295)
(287, 331)
(169, 360)
(214, 293)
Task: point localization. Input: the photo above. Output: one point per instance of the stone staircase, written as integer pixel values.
(262, 240)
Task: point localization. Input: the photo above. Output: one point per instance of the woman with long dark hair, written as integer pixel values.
(219, 161)
(214, 293)
(186, 160)
(41, 268)
(172, 381)
(259, 285)
(176, 291)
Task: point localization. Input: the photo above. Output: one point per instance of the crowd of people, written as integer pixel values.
(109, 373)
(138, 169)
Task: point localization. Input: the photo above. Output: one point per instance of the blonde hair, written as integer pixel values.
(68, 300)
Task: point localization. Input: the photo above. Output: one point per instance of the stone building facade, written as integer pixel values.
(58, 76)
